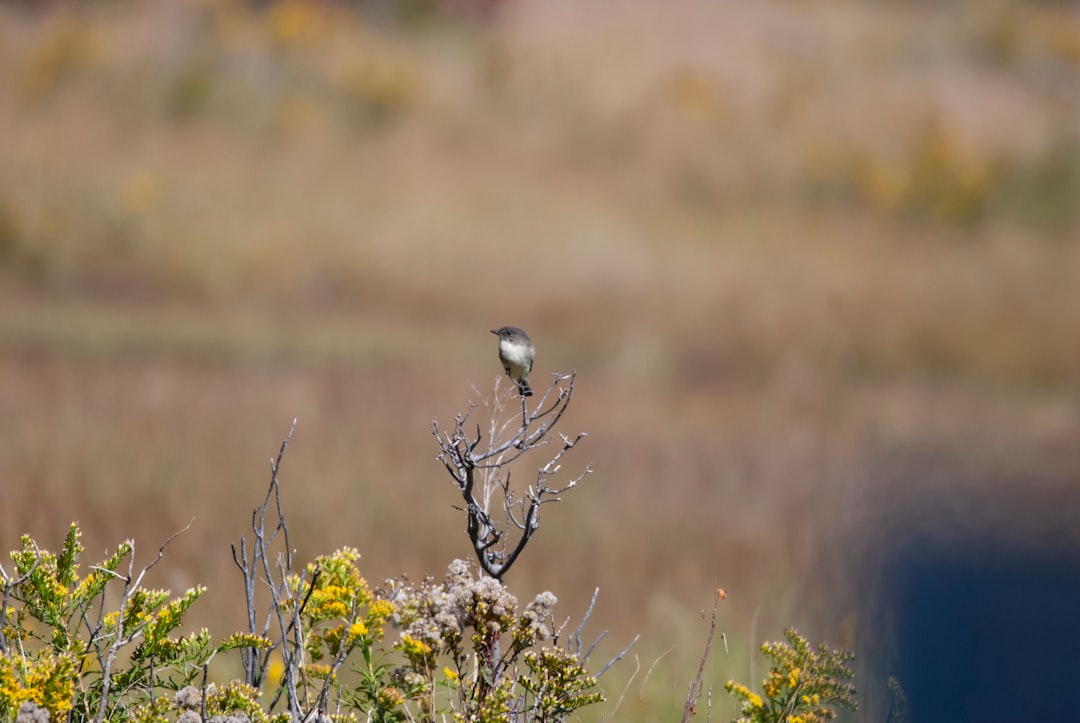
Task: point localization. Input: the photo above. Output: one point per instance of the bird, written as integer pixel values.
(516, 352)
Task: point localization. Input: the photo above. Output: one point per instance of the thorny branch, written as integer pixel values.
(479, 471)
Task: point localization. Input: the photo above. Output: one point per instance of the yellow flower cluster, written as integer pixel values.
(329, 602)
(411, 646)
(391, 697)
(318, 671)
(357, 629)
(751, 700)
(379, 612)
(48, 680)
(804, 683)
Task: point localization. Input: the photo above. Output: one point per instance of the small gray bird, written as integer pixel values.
(516, 353)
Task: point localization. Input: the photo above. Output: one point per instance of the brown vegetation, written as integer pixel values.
(770, 238)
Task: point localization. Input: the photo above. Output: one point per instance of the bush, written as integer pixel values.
(94, 644)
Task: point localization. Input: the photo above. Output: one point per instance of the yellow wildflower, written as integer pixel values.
(391, 697)
(753, 700)
(316, 670)
(412, 646)
(380, 611)
(333, 608)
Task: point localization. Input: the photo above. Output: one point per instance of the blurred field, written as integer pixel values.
(779, 242)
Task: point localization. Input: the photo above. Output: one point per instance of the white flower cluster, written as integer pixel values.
(439, 614)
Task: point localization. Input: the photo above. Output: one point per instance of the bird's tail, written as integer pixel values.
(524, 388)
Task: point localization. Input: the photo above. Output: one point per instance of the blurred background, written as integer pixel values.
(816, 264)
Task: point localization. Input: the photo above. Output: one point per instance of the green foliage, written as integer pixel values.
(803, 685)
(465, 652)
(558, 684)
(340, 616)
(61, 641)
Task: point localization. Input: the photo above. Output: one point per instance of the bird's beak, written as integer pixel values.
(495, 332)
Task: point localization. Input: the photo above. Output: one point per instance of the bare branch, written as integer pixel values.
(289, 636)
(575, 637)
(132, 582)
(629, 682)
(694, 694)
(618, 657)
(479, 466)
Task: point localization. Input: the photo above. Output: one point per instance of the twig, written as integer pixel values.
(652, 667)
(256, 664)
(132, 582)
(620, 656)
(694, 694)
(622, 695)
